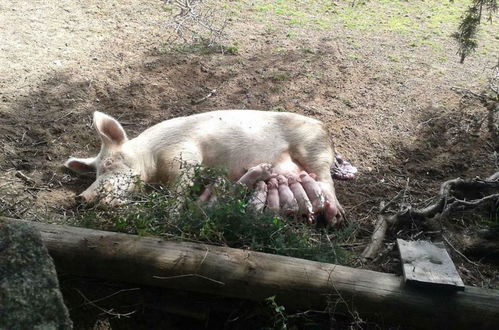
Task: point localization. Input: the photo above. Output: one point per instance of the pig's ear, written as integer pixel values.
(111, 132)
(81, 165)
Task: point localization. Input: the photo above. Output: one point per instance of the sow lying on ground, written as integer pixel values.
(271, 144)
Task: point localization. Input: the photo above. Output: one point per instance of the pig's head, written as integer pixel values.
(115, 176)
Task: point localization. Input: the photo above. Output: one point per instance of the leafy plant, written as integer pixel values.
(466, 35)
(229, 221)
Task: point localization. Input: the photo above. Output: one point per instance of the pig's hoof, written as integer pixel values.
(331, 216)
(343, 170)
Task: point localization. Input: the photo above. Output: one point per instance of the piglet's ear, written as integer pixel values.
(111, 132)
(81, 165)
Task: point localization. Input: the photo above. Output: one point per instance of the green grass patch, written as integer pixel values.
(414, 20)
(157, 211)
(280, 77)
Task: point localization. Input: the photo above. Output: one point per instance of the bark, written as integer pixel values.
(296, 283)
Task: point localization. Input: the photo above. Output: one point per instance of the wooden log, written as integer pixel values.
(296, 283)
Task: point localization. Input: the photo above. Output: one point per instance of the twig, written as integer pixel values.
(493, 177)
(377, 237)
(427, 121)
(210, 94)
(109, 296)
(109, 312)
(11, 206)
(431, 214)
(24, 177)
(459, 252)
(467, 91)
(64, 116)
(188, 275)
(195, 19)
(383, 209)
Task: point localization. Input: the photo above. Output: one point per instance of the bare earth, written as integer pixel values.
(396, 111)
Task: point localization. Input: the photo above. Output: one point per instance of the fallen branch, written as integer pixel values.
(372, 249)
(296, 283)
(446, 203)
(24, 177)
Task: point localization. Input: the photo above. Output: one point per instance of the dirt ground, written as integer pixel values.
(396, 108)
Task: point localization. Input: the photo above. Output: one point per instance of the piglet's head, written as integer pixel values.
(114, 174)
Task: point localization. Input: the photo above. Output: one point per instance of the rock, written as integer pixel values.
(29, 289)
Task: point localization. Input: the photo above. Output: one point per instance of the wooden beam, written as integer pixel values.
(296, 283)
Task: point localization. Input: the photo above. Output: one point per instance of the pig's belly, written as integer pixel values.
(238, 151)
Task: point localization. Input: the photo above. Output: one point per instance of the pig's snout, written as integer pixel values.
(80, 199)
(86, 197)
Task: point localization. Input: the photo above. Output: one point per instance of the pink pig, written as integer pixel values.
(235, 140)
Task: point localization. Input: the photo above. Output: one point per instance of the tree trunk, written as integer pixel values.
(296, 283)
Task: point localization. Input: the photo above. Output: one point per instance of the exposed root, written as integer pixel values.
(454, 195)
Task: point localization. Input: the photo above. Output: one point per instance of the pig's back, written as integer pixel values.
(230, 123)
(235, 139)
(240, 139)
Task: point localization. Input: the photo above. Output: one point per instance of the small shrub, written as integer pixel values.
(158, 211)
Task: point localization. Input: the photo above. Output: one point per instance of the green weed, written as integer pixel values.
(280, 77)
(158, 211)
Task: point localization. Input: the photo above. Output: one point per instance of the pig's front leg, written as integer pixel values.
(304, 204)
(332, 214)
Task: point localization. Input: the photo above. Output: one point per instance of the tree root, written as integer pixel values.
(454, 195)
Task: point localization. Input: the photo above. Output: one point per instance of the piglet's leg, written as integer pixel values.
(273, 195)
(261, 172)
(259, 197)
(304, 204)
(343, 170)
(287, 200)
(205, 195)
(313, 190)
